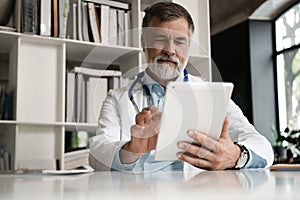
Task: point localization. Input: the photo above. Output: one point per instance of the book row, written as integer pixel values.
(100, 21)
(86, 90)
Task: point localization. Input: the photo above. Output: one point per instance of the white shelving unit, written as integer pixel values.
(35, 130)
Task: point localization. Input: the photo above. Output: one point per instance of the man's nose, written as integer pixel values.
(169, 49)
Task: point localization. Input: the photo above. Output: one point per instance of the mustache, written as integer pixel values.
(167, 58)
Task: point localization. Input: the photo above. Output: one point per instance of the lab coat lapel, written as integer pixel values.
(138, 97)
(127, 112)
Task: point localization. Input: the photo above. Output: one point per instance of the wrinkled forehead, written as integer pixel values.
(151, 32)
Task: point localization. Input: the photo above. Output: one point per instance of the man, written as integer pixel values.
(126, 140)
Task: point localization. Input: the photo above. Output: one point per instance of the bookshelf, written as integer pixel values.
(34, 131)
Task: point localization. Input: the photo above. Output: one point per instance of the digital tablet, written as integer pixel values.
(191, 105)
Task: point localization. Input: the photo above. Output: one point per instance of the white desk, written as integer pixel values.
(243, 184)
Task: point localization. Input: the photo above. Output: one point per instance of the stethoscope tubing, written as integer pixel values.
(146, 89)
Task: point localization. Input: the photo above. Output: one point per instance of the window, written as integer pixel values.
(287, 28)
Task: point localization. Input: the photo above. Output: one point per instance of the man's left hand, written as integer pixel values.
(207, 153)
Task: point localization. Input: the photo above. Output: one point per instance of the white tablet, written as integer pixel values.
(191, 105)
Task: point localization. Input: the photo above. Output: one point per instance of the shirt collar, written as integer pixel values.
(148, 80)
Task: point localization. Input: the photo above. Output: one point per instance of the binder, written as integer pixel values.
(30, 16)
(79, 21)
(93, 22)
(121, 27)
(113, 30)
(85, 22)
(45, 18)
(64, 9)
(104, 24)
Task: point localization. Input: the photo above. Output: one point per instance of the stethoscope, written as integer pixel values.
(159, 90)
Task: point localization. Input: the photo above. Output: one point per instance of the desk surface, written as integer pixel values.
(231, 184)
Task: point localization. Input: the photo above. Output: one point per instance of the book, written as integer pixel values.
(127, 27)
(111, 3)
(104, 23)
(86, 90)
(113, 29)
(72, 21)
(75, 17)
(85, 22)
(93, 22)
(70, 98)
(97, 16)
(75, 109)
(64, 9)
(79, 21)
(17, 17)
(45, 18)
(73, 164)
(80, 97)
(76, 159)
(38, 27)
(54, 18)
(96, 93)
(97, 72)
(121, 27)
(30, 16)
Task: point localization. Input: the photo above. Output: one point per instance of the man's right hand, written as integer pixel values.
(143, 135)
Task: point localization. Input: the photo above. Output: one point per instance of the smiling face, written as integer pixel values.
(166, 47)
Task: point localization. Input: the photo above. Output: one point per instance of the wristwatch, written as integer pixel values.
(244, 157)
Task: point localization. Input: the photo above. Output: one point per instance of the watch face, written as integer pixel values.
(242, 160)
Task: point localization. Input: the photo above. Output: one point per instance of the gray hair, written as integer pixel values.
(166, 11)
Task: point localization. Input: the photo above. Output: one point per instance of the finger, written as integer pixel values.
(202, 138)
(143, 118)
(151, 109)
(156, 116)
(198, 162)
(152, 142)
(137, 131)
(143, 132)
(196, 150)
(151, 129)
(224, 133)
(154, 112)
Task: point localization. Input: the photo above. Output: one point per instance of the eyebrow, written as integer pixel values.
(164, 36)
(181, 38)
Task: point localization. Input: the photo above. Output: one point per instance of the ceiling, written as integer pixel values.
(227, 13)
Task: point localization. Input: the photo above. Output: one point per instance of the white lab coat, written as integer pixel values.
(118, 115)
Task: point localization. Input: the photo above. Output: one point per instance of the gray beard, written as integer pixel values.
(162, 73)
